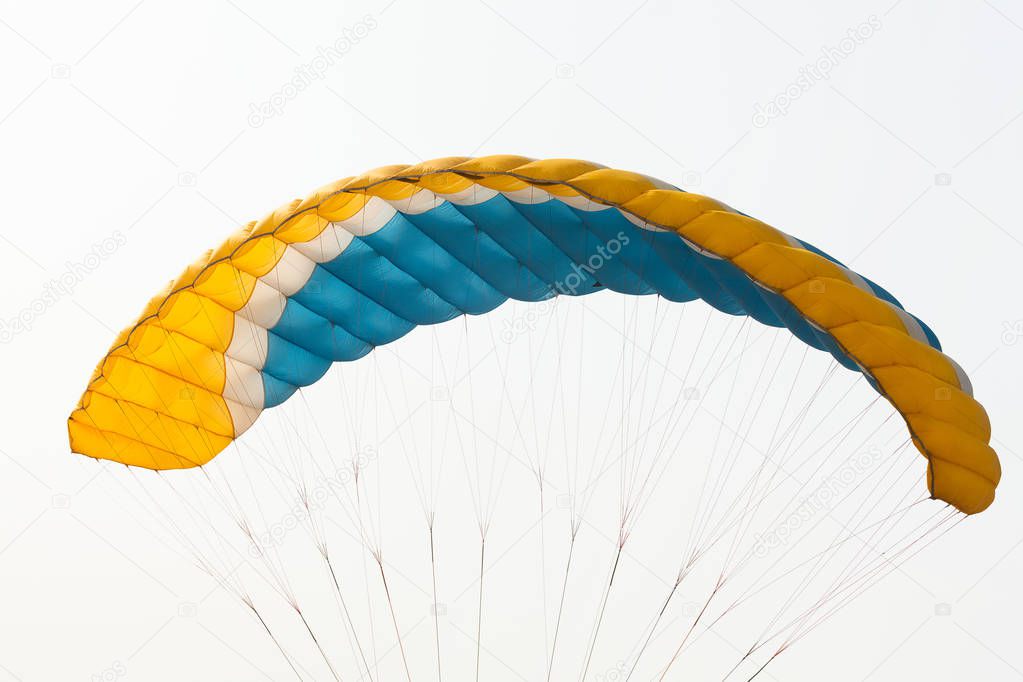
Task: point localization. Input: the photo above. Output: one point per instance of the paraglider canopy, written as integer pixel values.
(361, 262)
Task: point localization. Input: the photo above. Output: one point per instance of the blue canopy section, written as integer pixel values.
(452, 260)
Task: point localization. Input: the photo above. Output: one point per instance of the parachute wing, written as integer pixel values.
(361, 262)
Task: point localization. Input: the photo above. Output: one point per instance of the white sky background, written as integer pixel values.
(134, 119)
